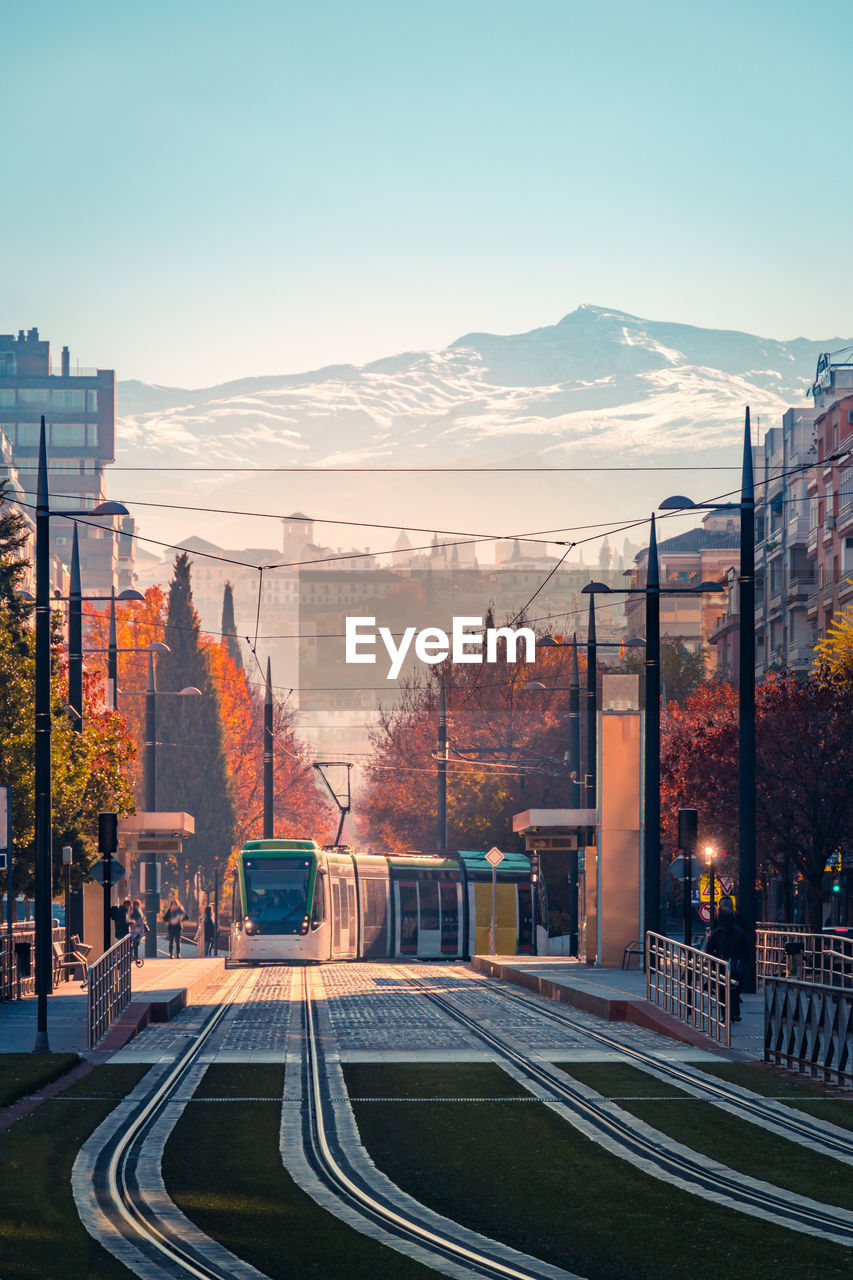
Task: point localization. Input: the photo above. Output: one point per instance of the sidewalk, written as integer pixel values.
(619, 995)
(159, 990)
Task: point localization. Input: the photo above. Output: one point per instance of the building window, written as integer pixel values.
(33, 395)
(65, 399)
(68, 434)
(848, 556)
(91, 435)
(92, 401)
(27, 434)
(7, 395)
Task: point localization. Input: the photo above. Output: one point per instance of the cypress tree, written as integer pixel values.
(192, 767)
(229, 627)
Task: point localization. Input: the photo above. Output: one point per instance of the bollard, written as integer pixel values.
(794, 958)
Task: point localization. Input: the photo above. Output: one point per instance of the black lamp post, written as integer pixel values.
(651, 746)
(43, 799)
(76, 600)
(746, 690)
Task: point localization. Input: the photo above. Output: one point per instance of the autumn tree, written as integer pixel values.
(804, 761)
(834, 653)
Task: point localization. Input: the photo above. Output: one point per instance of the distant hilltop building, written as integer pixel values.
(79, 407)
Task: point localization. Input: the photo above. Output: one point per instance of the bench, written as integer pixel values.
(633, 949)
(73, 962)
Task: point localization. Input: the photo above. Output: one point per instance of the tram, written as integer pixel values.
(294, 901)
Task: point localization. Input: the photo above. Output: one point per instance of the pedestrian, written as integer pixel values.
(138, 927)
(173, 917)
(209, 930)
(120, 915)
(729, 942)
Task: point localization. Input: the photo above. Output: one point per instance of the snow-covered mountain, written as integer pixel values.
(599, 388)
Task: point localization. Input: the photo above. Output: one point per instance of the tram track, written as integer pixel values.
(834, 1142)
(144, 1228)
(402, 1222)
(644, 1146)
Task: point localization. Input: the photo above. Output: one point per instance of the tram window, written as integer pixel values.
(449, 919)
(351, 910)
(236, 900)
(319, 914)
(428, 891)
(408, 918)
(374, 902)
(336, 915)
(277, 893)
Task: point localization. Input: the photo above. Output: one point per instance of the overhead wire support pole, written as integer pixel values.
(269, 795)
(591, 709)
(43, 868)
(746, 708)
(651, 760)
(112, 655)
(149, 769)
(75, 637)
(441, 766)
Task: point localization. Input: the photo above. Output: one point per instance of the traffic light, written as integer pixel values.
(107, 833)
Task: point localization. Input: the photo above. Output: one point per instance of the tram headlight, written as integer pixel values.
(251, 928)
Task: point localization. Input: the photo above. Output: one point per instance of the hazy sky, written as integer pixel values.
(194, 191)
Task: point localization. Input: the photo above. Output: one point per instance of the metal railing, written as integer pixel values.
(809, 1028)
(826, 959)
(689, 984)
(11, 985)
(109, 988)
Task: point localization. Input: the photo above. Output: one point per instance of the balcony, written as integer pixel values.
(798, 530)
(800, 655)
(845, 515)
(801, 588)
(812, 540)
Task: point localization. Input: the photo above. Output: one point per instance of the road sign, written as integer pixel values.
(494, 857)
(98, 871)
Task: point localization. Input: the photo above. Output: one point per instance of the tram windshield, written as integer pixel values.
(277, 893)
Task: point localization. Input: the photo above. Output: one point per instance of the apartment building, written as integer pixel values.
(830, 493)
(79, 407)
(705, 554)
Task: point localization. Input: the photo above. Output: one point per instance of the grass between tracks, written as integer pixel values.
(222, 1167)
(718, 1134)
(828, 1103)
(523, 1175)
(41, 1235)
(25, 1073)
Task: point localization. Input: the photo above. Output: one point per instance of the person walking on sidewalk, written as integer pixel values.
(120, 914)
(138, 927)
(173, 917)
(209, 926)
(729, 942)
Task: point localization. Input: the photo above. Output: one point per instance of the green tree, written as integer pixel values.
(229, 627)
(89, 769)
(681, 669)
(192, 766)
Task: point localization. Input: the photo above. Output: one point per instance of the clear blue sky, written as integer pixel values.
(194, 190)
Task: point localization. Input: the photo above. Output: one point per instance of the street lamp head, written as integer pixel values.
(547, 642)
(109, 509)
(130, 594)
(596, 589)
(677, 503)
(534, 686)
(27, 597)
(157, 646)
(711, 586)
(189, 692)
(635, 644)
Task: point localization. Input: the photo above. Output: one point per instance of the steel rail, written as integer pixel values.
(139, 1220)
(378, 1209)
(752, 1108)
(686, 1169)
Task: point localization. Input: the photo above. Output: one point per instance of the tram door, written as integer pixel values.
(344, 922)
(429, 917)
